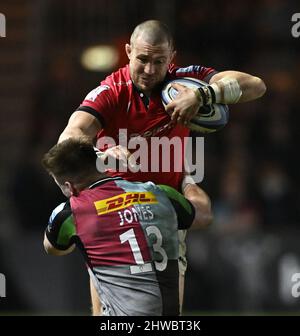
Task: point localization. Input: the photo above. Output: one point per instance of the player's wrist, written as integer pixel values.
(208, 94)
(225, 91)
(198, 96)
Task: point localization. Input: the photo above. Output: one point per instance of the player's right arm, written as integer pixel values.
(97, 111)
(81, 124)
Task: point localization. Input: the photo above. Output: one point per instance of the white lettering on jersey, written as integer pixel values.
(138, 212)
(120, 83)
(92, 96)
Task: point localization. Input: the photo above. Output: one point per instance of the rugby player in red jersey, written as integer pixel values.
(129, 99)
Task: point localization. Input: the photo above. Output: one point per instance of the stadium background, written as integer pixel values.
(243, 264)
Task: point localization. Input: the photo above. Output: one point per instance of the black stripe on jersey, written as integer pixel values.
(93, 112)
(185, 219)
(168, 283)
(53, 227)
(184, 208)
(104, 180)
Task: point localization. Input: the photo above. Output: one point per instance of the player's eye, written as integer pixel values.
(142, 60)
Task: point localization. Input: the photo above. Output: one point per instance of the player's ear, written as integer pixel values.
(128, 49)
(73, 190)
(69, 189)
(173, 55)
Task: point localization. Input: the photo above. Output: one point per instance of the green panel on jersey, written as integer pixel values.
(176, 196)
(67, 230)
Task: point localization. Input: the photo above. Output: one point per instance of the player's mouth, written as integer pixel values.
(147, 81)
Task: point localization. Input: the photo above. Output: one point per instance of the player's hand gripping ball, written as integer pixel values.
(209, 118)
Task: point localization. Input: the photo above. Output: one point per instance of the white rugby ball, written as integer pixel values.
(210, 118)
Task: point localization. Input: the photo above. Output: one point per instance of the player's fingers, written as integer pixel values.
(185, 117)
(178, 87)
(124, 152)
(112, 152)
(170, 107)
(175, 115)
(182, 119)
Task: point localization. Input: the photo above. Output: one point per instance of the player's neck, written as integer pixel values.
(91, 180)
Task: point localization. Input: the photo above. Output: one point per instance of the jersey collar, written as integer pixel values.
(104, 180)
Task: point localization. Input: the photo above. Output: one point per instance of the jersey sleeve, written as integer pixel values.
(61, 228)
(196, 71)
(100, 103)
(183, 207)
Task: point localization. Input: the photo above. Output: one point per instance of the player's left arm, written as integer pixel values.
(248, 87)
(226, 87)
(58, 237)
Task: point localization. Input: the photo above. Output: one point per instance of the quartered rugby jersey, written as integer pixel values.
(128, 235)
(125, 113)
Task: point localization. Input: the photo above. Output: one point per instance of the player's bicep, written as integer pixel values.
(50, 249)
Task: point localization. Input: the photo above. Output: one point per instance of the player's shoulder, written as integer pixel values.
(161, 189)
(170, 192)
(60, 213)
(118, 80)
(111, 88)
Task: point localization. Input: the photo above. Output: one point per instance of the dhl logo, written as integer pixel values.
(123, 201)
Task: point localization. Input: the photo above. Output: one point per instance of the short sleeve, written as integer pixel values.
(100, 103)
(184, 209)
(195, 71)
(61, 228)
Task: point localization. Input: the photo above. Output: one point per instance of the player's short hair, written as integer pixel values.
(72, 159)
(155, 32)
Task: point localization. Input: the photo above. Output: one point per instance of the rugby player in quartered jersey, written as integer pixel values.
(128, 234)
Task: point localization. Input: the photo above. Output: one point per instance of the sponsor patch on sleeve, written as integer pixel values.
(92, 96)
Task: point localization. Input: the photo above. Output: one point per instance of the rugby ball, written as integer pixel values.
(210, 118)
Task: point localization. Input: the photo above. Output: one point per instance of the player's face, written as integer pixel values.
(148, 63)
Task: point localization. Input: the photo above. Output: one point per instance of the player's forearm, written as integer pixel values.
(81, 124)
(251, 87)
(72, 133)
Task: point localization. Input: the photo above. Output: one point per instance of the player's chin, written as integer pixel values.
(147, 85)
(144, 88)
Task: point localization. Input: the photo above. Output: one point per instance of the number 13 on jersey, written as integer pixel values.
(134, 246)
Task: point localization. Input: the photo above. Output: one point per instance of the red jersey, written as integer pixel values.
(119, 105)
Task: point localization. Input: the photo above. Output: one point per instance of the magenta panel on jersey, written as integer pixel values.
(101, 230)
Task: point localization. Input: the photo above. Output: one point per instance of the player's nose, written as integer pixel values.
(149, 68)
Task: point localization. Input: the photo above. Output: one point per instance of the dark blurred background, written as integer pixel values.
(244, 263)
